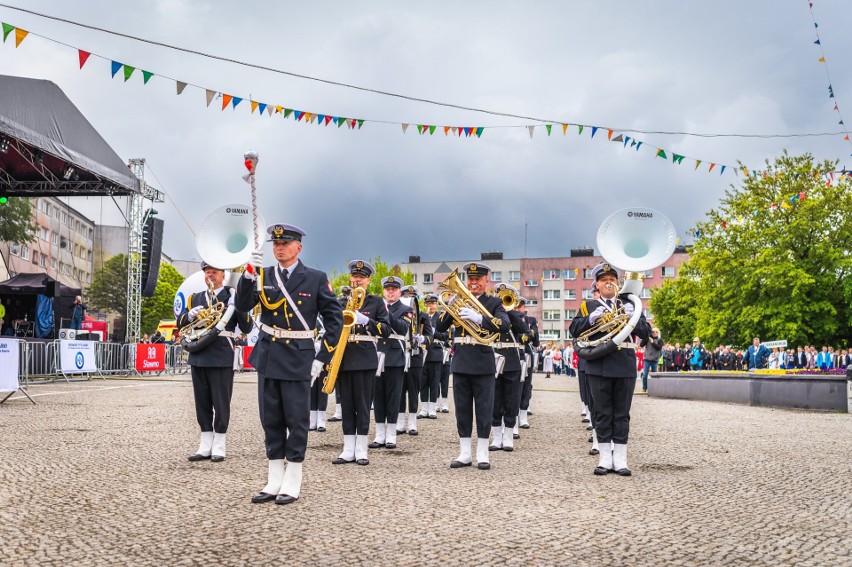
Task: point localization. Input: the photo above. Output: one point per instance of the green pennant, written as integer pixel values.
(361, 123)
(341, 121)
(579, 129)
(128, 70)
(146, 75)
(677, 158)
(548, 126)
(288, 112)
(431, 130)
(419, 128)
(661, 153)
(479, 130)
(7, 29)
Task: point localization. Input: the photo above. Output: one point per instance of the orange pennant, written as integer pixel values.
(446, 130)
(19, 36)
(254, 104)
(226, 100)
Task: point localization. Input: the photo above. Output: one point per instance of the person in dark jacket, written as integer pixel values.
(653, 348)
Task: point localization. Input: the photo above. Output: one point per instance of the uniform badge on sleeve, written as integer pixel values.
(304, 294)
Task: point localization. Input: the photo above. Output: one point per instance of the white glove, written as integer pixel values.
(316, 368)
(361, 319)
(256, 259)
(470, 315)
(628, 309)
(193, 313)
(596, 314)
(419, 339)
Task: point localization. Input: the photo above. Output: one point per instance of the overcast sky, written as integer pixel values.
(713, 67)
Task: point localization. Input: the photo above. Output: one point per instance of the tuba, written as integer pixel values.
(508, 295)
(353, 304)
(635, 240)
(457, 297)
(225, 240)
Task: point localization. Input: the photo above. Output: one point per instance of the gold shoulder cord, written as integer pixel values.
(584, 309)
(264, 299)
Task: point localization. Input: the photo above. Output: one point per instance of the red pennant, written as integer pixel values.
(84, 56)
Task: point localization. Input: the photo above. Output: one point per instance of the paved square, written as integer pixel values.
(96, 474)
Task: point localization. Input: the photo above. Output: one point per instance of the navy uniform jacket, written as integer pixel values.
(362, 355)
(622, 362)
(291, 359)
(435, 352)
(220, 352)
(519, 334)
(417, 352)
(476, 358)
(394, 349)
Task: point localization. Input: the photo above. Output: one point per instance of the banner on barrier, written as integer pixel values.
(246, 352)
(77, 356)
(150, 357)
(10, 355)
(773, 344)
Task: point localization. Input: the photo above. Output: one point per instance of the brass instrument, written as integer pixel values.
(508, 295)
(606, 327)
(458, 296)
(353, 304)
(207, 325)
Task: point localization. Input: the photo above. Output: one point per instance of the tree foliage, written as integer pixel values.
(16, 221)
(339, 280)
(772, 261)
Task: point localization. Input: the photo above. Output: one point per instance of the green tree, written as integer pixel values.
(16, 220)
(383, 270)
(772, 261)
(161, 304)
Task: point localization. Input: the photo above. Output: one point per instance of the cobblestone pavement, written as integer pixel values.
(96, 474)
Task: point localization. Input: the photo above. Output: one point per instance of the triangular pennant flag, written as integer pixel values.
(419, 128)
(817, 42)
(802, 196)
(269, 109)
(115, 67)
(579, 129)
(226, 100)
(341, 121)
(661, 153)
(841, 122)
(7, 29)
(846, 137)
(360, 123)
(261, 107)
(594, 131)
(128, 71)
(84, 56)
(531, 129)
(19, 36)
(321, 118)
(609, 135)
(467, 132)
(677, 158)
(639, 145)
(210, 94)
(697, 163)
(548, 126)
(288, 112)
(821, 59)
(352, 124)
(431, 130)
(254, 105)
(446, 130)
(632, 143)
(455, 130)
(327, 120)
(180, 86)
(626, 139)
(618, 138)
(146, 76)
(404, 127)
(235, 101)
(308, 116)
(479, 131)
(297, 115)
(712, 165)
(721, 171)
(564, 129)
(279, 109)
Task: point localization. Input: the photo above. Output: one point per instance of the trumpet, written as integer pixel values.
(453, 297)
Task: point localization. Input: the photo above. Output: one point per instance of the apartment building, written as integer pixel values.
(553, 287)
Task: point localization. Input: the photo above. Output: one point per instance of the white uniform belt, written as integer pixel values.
(286, 333)
(226, 334)
(506, 345)
(627, 345)
(362, 338)
(465, 341)
(397, 337)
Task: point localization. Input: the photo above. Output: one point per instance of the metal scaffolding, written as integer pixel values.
(136, 221)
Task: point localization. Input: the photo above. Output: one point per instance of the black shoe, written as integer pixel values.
(376, 445)
(321, 429)
(341, 461)
(335, 418)
(508, 449)
(284, 499)
(262, 497)
(600, 471)
(445, 410)
(594, 452)
(516, 435)
(432, 416)
(362, 462)
(524, 426)
(401, 432)
(590, 439)
(585, 420)
(390, 445)
(483, 466)
(217, 458)
(413, 432)
(494, 448)
(623, 472)
(458, 465)
(529, 412)
(197, 457)
(589, 428)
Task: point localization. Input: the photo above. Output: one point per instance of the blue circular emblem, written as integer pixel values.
(180, 304)
(78, 360)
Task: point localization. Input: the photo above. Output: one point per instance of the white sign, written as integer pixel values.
(10, 355)
(77, 356)
(773, 344)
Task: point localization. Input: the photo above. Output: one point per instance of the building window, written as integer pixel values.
(532, 302)
(54, 238)
(570, 294)
(551, 314)
(550, 274)
(427, 278)
(668, 271)
(56, 213)
(53, 264)
(91, 233)
(414, 278)
(514, 276)
(587, 273)
(646, 293)
(35, 257)
(570, 313)
(15, 250)
(463, 276)
(42, 261)
(647, 313)
(496, 276)
(44, 234)
(25, 252)
(89, 257)
(587, 294)
(64, 217)
(569, 274)
(531, 283)
(550, 294)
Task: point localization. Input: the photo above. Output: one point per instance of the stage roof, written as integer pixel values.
(47, 147)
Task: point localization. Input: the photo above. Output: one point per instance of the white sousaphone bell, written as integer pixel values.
(635, 239)
(225, 240)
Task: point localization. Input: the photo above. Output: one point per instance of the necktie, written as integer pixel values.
(285, 275)
(609, 303)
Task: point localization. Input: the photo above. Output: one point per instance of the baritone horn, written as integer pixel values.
(458, 296)
(635, 240)
(508, 295)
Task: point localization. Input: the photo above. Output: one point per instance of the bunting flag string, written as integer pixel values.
(822, 60)
(232, 101)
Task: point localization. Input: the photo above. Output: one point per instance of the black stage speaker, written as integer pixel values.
(152, 245)
(52, 288)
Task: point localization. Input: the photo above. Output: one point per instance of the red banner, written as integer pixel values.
(246, 352)
(150, 357)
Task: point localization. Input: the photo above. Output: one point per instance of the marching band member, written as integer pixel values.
(445, 373)
(213, 367)
(586, 392)
(474, 367)
(612, 377)
(526, 383)
(389, 383)
(292, 295)
(419, 338)
(429, 393)
(359, 365)
(512, 340)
